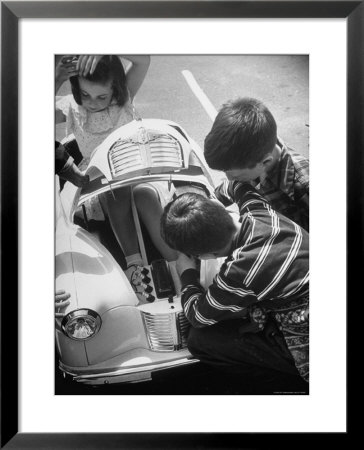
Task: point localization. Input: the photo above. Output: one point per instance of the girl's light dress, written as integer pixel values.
(91, 128)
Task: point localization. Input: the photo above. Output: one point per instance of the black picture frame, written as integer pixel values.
(11, 12)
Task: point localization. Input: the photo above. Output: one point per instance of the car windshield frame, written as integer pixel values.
(107, 186)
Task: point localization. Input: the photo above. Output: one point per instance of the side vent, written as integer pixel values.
(166, 332)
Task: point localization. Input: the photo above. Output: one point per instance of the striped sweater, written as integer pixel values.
(268, 264)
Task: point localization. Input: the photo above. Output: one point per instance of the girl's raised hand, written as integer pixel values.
(65, 68)
(87, 64)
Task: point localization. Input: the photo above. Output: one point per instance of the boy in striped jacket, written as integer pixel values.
(265, 277)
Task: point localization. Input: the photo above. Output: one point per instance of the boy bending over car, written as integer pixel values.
(255, 313)
(243, 142)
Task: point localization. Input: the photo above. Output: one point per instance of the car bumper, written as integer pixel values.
(123, 375)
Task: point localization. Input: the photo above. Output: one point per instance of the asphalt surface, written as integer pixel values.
(281, 82)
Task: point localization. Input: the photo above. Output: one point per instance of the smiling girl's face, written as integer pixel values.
(95, 96)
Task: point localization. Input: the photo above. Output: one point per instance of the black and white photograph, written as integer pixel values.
(182, 221)
(178, 273)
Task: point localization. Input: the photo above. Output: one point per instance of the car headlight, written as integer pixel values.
(81, 324)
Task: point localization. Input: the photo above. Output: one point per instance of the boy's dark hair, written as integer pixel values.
(108, 68)
(194, 224)
(243, 132)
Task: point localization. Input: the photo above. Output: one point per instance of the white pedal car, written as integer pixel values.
(107, 334)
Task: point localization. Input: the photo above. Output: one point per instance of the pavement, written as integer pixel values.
(280, 81)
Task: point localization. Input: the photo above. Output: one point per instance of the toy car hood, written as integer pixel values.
(135, 151)
(142, 147)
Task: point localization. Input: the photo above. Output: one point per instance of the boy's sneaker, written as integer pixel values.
(133, 274)
(139, 278)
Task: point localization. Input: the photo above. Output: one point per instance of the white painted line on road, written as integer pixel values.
(199, 93)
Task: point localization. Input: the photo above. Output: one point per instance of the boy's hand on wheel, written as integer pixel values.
(61, 299)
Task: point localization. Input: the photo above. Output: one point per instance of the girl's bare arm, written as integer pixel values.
(137, 71)
(135, 74)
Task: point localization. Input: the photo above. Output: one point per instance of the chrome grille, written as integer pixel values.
(124, 157)
(183, 326)
(147, 150)
(165, 151)
(166, 332)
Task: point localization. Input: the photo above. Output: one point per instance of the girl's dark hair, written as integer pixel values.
(243, 132)
(195, 225)
(108, 68)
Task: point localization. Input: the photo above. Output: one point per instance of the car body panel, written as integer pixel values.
(135, 338)
(122, 330)
(88, 272)
(71, 352)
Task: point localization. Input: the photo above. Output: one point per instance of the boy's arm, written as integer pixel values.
(223, 300)
(302, 184)
(223, 193)
(301, 179)
(247, 197)
(229, 192)
(227, 297)
(63, 160)
(276, 248)
(301, 190)
(67, 169)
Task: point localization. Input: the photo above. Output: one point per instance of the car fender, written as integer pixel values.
(122, 330)
(90, 273)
